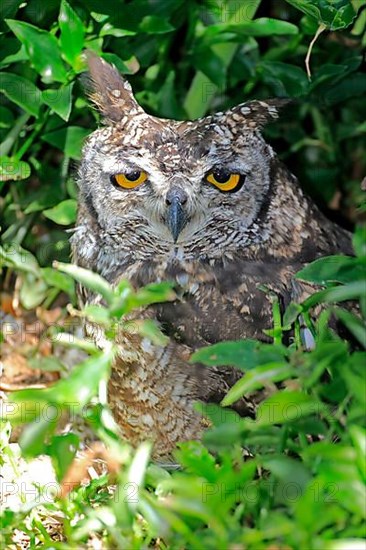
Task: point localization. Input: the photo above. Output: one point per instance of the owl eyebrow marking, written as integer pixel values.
(112, 166)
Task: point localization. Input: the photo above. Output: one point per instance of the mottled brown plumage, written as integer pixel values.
(217, 247)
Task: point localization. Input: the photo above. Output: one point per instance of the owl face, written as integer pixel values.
(169, 183)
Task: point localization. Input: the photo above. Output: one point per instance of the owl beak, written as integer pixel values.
(176, 216)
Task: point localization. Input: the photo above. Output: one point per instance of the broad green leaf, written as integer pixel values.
(33, 291)
(263, 26)
(83, 382)
(12, 255)
(59, 280)
(46, 363)
(333, 269)
(64, 213)
(244, 354)
(257, 378)
(22, 92)
(340, 293)
(91, 280)
(152, 24)
(12, 169)
(72, 34)
(136, 472)
(69, 140)
(285, 78)
(6, 116)
(62, 449)
(97, 314)
(354, 376)
(150, 329)
(205, 60)
(59, 100)
(352, 86)
(33, 438)
(292, 312)
(43, 50)
(117, 61)
(358, 436)
(335, 14)
(287, 470)
(152, 294)
(224, 435)
(287, 406)
(217, 414)
(71, 393)
(359, 241)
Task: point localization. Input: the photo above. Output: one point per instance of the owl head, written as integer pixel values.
(199, 185)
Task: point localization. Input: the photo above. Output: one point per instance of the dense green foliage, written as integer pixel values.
(295, 476)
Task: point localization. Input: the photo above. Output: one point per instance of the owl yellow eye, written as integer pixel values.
(225, 181)
(130, 179)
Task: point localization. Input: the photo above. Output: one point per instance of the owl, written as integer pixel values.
(207, 205)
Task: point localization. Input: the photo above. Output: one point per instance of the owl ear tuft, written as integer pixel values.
(108, 90)
(258, 113)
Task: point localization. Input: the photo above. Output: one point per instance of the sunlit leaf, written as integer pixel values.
(43, 50)
(64, 213)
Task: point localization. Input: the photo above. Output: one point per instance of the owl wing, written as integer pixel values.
(227, 303)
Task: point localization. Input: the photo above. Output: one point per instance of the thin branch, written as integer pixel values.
(321, 28)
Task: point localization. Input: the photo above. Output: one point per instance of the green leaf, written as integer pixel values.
(352, 86)
(59, 280)
(288, 470)
(359, 241)
(335, 14)
(12, 169)
(22, 92)
(263, 26)
(286, 406)
(80, 386)
(71, 393)
(358, 436)
(292, 312)
(341, 293)
(205, 60)
(152, 293)
(72, 34)
(354, 324)
(59, 100)
(244, 354)
(333, 269)
(91, 280)
(64, 213)
(46, 363)
(257, 378)
(33, 291)
(97, 314)
(6, 116)
(153, 24)
(69, 140)
(354, 376)
(150, 329)
(286, 79)
(136, 472)
(62, 449)
(42, 49)
(33, 438)
(13, 255)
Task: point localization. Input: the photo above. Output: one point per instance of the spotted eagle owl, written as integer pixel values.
(205, 204)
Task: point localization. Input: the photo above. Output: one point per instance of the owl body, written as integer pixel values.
(207, 205)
